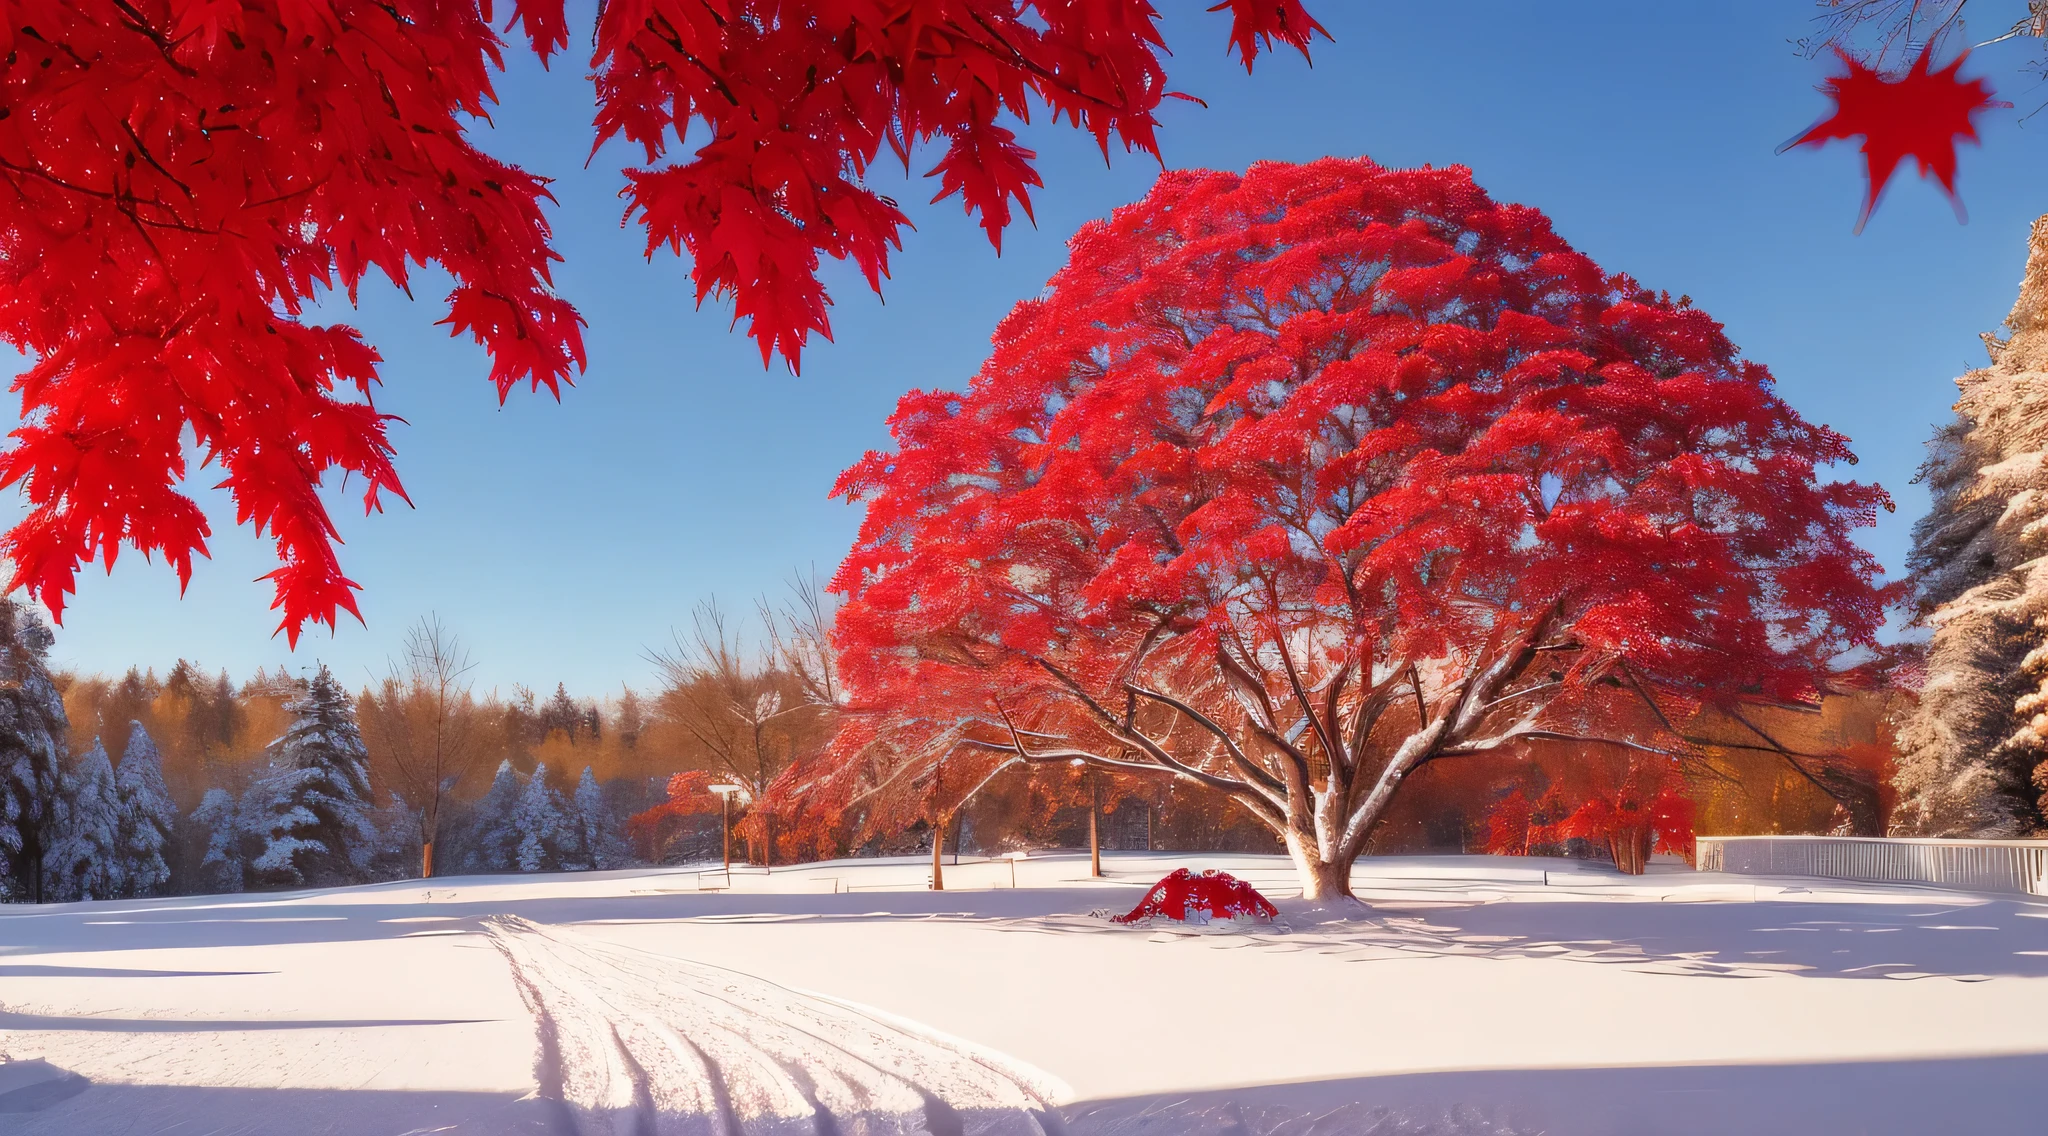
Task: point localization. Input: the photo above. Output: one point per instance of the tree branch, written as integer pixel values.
(1251, 769)
(1138, 737)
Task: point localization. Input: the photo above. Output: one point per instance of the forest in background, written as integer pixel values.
(716, 713)
(481, 774)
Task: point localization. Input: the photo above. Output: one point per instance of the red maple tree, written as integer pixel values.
(1297, 481)
(180, 178)
(688, 795)
(1630, 804)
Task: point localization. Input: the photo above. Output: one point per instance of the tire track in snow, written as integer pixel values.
(637, 1044)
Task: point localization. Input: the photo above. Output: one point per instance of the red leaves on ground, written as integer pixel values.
(180, 178)
(1213, 896)
(1917, 115)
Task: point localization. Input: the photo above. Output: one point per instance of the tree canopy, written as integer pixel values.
(1296, 481)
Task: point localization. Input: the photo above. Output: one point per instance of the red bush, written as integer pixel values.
(1185, 897)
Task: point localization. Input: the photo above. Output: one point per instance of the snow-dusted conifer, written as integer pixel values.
(397, 854)
(222, 869)
(547, 839)
(491, 842)
(1973, 754)
(84, 860)
(148, 817)
(32, 731)
(602, 847)
(312, 809)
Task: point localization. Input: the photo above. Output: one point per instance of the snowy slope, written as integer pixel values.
(1473, 995)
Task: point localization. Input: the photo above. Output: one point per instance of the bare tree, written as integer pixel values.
(800, 638)
(423, 719)
(1892, 32)
(753, 713)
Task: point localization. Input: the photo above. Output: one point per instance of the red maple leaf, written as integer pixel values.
(181, 179)
(1919, 115)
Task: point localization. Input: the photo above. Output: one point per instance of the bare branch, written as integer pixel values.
(1138, 737)
(1251, 769)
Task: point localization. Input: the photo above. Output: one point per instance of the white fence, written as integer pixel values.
(1969, 865)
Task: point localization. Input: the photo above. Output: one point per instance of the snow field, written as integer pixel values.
(1470, 995)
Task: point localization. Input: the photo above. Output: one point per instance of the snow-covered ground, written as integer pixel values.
(1473, 995)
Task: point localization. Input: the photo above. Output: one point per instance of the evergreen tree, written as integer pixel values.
(312, 809)
(632, 718)
(520, 719)
(561, 713)
(1973, 757)
(223, 868)
(602, 846)
(148, 817)
(124, 703)
(84, 859)
(397, 852)
(32, 731)
(490, 839)
(547, 840)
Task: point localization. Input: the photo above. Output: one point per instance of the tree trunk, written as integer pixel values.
(938, 854)
(1321, 879)
(1866, 814)
(1630, 846)
(32, 856)
(1094, 826)
(427, 860)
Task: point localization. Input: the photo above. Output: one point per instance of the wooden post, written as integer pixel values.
(1094, 821)
(938, 825)
(427, 860)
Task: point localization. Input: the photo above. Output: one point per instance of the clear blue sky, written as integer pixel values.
(562, 540)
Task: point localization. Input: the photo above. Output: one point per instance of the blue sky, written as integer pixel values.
(561, 541)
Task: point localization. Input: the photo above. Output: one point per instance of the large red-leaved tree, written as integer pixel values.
(1296, 481)
(179, 178)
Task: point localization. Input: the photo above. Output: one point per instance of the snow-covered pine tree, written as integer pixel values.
(312, 809)
(548, 840)
(223, 868)
(490, 841)
(397, 854)
(1973, 757)
(602, 846)
(148, 817)
(84, 860)
(32, 732)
